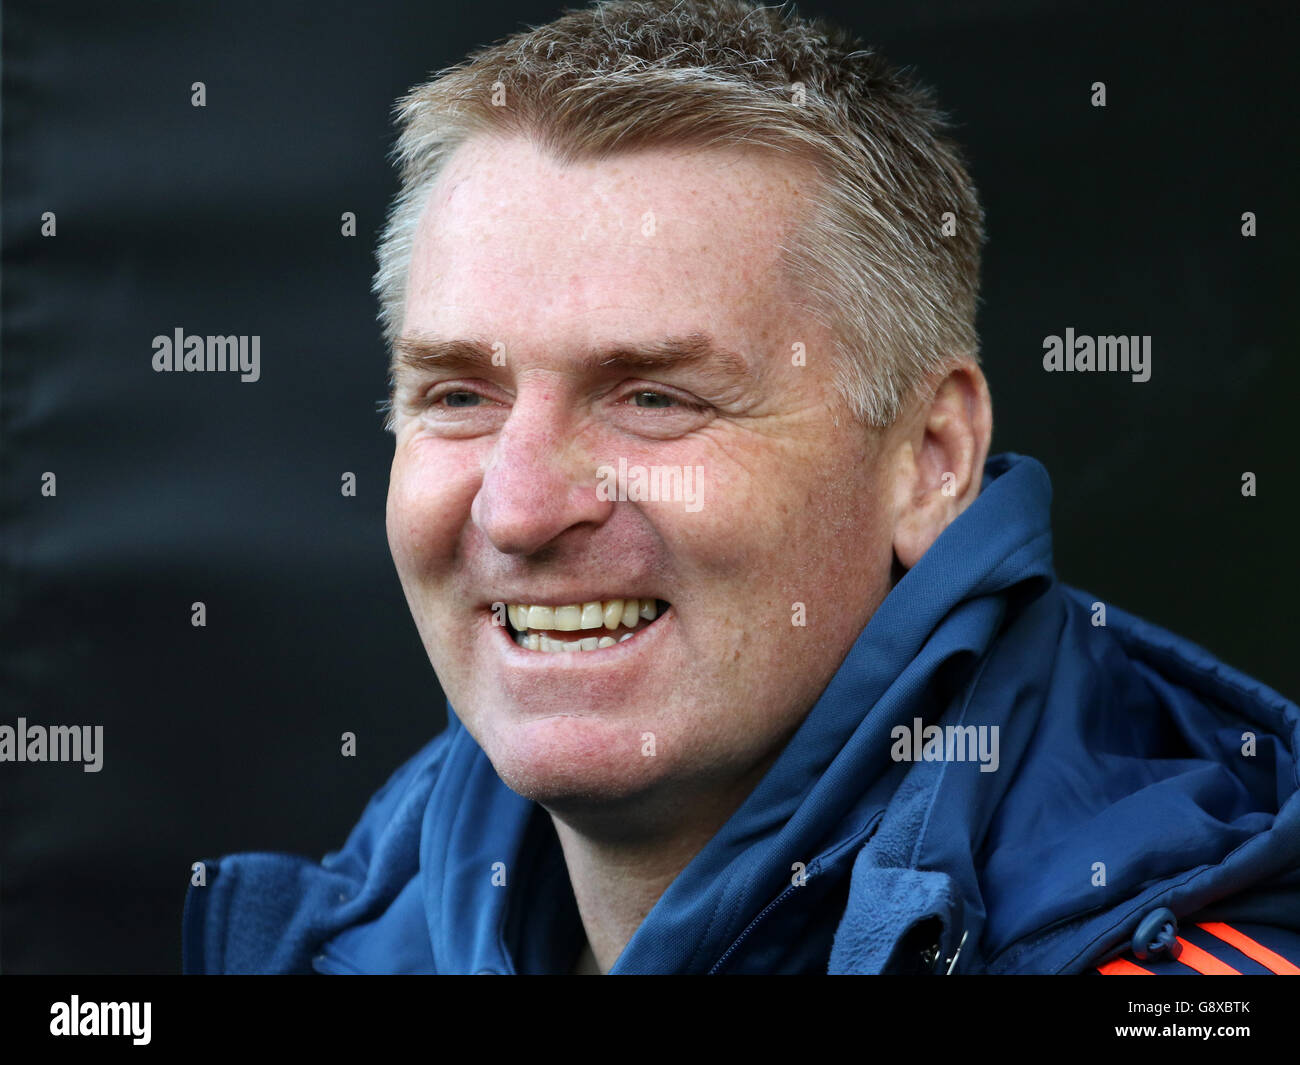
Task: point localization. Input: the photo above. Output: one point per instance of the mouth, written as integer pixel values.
(576, 628)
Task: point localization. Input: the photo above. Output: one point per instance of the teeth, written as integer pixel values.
(608, 614)
(567, 618)
(536, 641)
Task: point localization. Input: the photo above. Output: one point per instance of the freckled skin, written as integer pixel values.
(498, 496)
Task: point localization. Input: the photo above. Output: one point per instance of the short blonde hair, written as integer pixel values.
(890, 255)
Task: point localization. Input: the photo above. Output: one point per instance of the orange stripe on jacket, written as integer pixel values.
(1270, 959)
(1203, 961)
(1120, 967)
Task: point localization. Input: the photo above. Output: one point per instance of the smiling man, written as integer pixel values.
(659, 347)
(828, 708)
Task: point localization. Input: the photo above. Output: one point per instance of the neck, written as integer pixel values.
(618, 876)
(617, 884)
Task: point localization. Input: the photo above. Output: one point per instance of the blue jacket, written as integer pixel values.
(1134, 773)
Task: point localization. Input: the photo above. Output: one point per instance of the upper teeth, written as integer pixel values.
(609, 613)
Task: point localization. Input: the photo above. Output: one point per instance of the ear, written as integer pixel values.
(940, 453)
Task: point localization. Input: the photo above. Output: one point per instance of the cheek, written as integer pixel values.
(831, 538)
(423, 513)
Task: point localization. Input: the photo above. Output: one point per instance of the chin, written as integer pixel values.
(574, 760)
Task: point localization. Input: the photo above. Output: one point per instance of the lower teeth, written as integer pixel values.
(535, 641)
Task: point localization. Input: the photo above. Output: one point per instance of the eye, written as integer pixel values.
(652, 400)
(657, 399)
(662, 413)
(461, 399)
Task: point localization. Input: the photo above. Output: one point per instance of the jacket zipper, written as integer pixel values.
(862, 839)
(790, 890)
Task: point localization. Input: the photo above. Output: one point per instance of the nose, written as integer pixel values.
(537, 482)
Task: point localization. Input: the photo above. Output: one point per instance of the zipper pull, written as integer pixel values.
(952, 962)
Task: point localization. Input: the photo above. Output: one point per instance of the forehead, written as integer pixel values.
(659, 240)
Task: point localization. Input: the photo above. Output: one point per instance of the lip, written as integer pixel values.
(644, 642)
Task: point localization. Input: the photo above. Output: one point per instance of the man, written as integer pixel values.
(756, 662)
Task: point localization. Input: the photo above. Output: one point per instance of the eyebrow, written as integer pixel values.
(696, 351)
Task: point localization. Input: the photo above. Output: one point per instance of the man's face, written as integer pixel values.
(772, 552)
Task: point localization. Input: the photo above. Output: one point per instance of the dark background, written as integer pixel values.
(226, 220)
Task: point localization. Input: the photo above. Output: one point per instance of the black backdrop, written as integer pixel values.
(225, 219)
